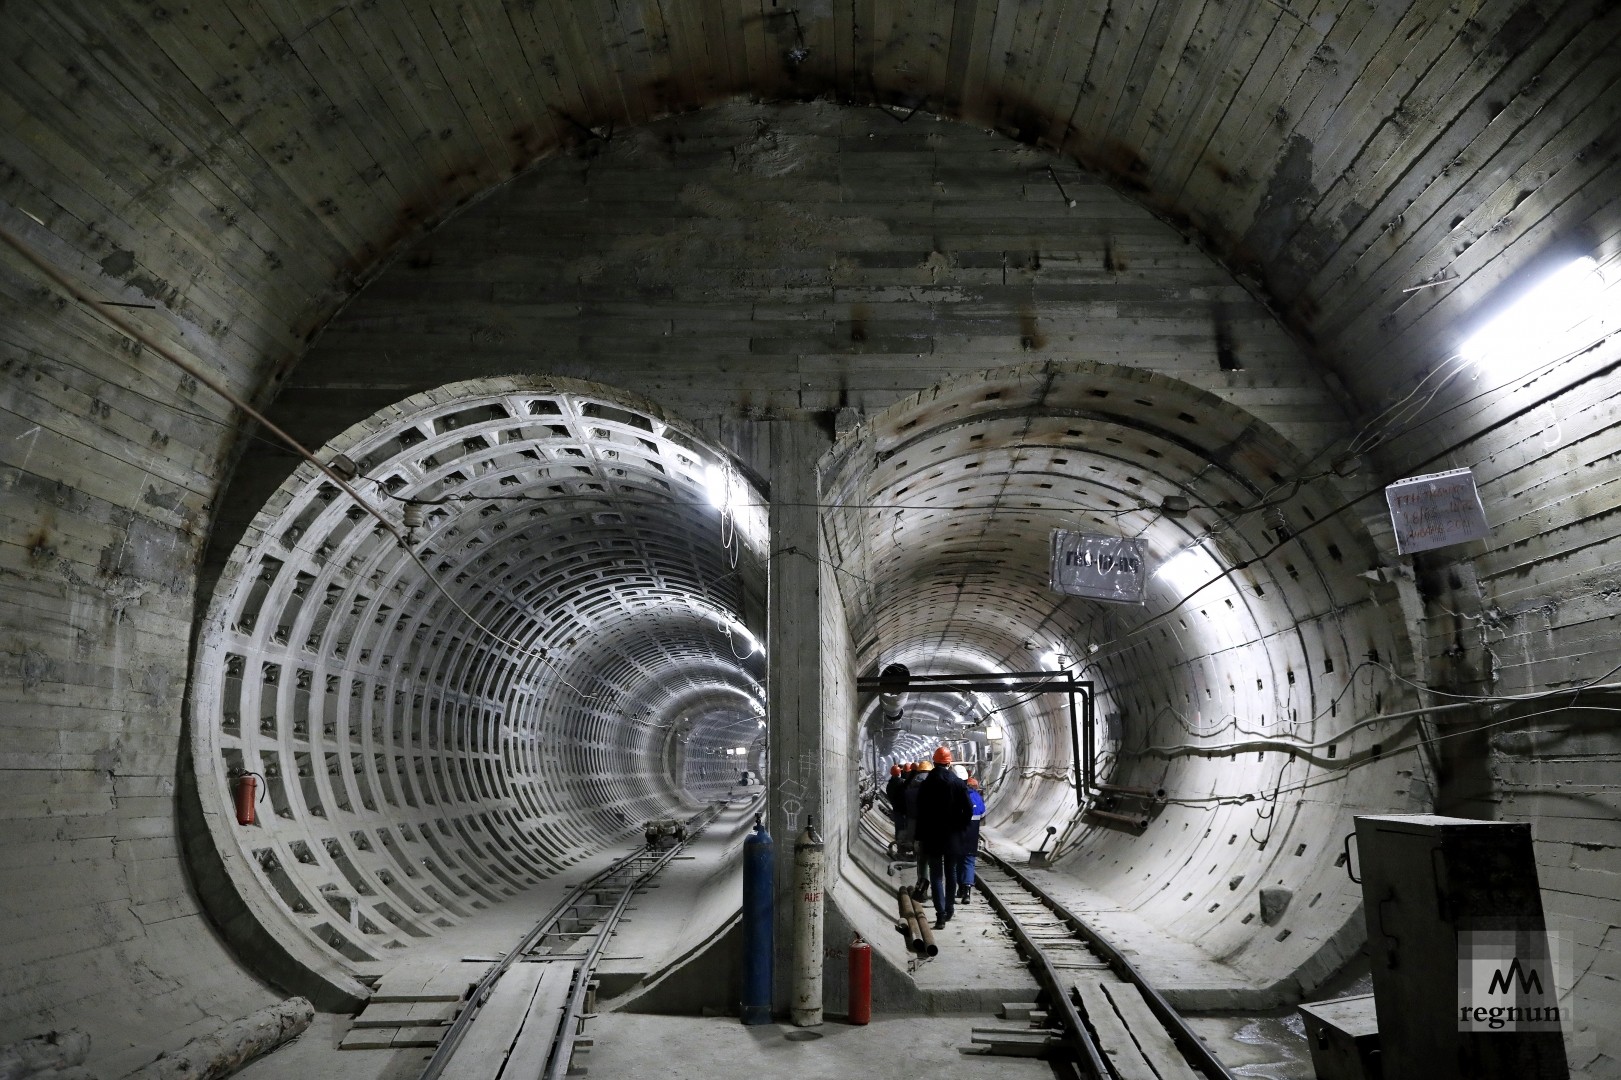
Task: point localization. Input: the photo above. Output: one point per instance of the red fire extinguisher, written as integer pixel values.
(246, 788)
(860, 981)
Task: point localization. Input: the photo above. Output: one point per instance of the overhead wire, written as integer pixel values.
(224, 392)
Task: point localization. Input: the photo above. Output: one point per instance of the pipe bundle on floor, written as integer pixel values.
(914, 924)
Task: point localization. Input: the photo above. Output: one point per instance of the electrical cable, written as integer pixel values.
(1333, 775)
(204, 378)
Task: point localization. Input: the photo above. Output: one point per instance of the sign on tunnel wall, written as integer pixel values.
(1101, 567)
(1435, 510)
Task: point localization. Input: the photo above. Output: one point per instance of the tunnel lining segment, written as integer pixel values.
(945, 571)
(417, 769)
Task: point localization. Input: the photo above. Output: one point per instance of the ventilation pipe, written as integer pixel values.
(892, 684)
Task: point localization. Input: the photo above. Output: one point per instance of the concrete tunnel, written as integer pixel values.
(674, 426)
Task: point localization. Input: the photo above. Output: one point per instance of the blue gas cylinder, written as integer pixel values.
(759, 901)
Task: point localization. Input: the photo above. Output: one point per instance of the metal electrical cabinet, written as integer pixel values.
(1455, 930)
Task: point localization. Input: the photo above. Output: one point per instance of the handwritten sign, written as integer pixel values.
(1436, 510)
(1101, 567)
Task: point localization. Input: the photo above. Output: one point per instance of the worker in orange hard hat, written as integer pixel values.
(943, 813)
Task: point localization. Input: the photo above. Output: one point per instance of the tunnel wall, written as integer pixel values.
(1250, 698)
(1528, 610)
(812, 256)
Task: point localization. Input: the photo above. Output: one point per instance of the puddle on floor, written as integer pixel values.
(1259, 1047)
(1272, 1046)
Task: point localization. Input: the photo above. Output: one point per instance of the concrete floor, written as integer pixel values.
(675, 1048)
(632, 1047)
(976, 969)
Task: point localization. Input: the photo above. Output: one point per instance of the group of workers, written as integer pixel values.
(937, 815)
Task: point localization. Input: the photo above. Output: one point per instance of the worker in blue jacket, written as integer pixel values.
(970, 843)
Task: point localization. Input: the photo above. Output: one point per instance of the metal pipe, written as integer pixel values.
(1189, 1042)
(924, 930)
(907, 927)
(1080, 742)
(1136, 821)
(920, 925)
(1088, 717)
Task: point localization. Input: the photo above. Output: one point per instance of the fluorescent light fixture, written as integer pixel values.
(1533, 329)
(1052, 659)
(1188, 569)
(718, 487)
(993, 731)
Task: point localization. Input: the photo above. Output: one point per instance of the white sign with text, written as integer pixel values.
(1101, 567)
(1436, 510)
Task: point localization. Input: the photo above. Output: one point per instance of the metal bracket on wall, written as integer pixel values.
(1349, 860)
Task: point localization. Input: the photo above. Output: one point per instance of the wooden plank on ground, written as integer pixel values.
(1113, 1039)
(394, 1037)
(406, 1014)
(491, 1035)
(427, 980)
(1155, 1043)
(529, 1053)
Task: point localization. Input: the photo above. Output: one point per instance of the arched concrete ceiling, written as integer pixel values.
(251, 168)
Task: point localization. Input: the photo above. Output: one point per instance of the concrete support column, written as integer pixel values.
(793, 668)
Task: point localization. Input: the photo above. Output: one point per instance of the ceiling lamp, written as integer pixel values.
(1536, 327)
(1188, 570)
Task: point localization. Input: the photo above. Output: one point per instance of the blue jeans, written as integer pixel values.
(943, 883)
(965, 871)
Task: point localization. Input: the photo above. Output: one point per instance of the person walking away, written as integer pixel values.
(897, 809)
(920, 772)
(943, 811)
(970, 843)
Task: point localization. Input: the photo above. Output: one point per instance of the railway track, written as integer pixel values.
(523, 1019)
(1119, 1027)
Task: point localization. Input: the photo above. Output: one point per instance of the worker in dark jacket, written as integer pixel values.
(920, 773)
(943, 813)
(970, 843)
(897, 809)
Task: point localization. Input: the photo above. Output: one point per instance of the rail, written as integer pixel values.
(638, 867)
(1183, 1036)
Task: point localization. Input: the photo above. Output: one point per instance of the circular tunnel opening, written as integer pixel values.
(558, 650)
(1258, 642)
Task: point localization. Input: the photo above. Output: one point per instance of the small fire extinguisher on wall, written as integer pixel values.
(246, 789)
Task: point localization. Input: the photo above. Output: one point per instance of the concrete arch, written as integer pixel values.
(1271, 635)
(442, 723)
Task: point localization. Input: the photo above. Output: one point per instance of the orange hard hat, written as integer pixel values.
(924, 766)
(942, 756)
(894, 770)
(972, 782)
